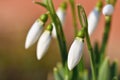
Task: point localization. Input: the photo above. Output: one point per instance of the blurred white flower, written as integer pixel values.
(34, 33)
(75, 52)
(61, 15)
(54, 31)
(43, 44)
(108, 10)
(93, 20)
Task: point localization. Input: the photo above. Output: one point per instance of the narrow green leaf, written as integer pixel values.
(104, 71)
(96, 51)
(97, 57)
(83, 75)
(63, 71)
(75, 74)
(81, 66)
(115, 78)
(106, 34)
(113, 70)
(41, 4)
(60, 69)
(57, 75)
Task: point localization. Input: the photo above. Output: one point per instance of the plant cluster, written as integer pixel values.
(72, 64)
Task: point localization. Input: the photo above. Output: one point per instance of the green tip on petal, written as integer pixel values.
(63, 6)
(113, 2)
(81, 33)
(108, 1)
(99, 5)
(49, 27)
(44, 17)
(107, 18)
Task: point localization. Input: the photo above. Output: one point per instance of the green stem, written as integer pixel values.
(114, 70)
(72, 4)
(59, 31)
(75, 74)
(92, 56)
(108, 20)
(105, 37)
(84, 23)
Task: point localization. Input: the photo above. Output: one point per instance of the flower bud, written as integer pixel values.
(93, 19)
(44, 42)
(75, 52)
(35, 31)
(108, 10)
(61, 13)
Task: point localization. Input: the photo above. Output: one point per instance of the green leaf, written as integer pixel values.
(41, 4)
(115, 78)
(105, 38)
(104, 71)
(81, 66)
(113, 71)
(96, 51)
(57, 75)
(63, 71)
(75, 73)
(84, 75)
(97, 57)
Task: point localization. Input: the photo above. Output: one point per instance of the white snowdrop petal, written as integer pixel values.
(54, 34)
(43, 44)
(93, 19)
(108, 10)
(34, 33)
(75, 53)
(61, 15)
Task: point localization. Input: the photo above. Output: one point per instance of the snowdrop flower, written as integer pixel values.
(44, 42)
(93, 18)
(35, 31)
(75, 52)
(108, 10)
(61, 13)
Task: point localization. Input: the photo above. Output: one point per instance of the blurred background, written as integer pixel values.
(16, 18)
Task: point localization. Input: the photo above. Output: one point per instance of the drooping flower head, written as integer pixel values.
(108, 10)
(61, 13)
(35, 31)
(93, 18)
(44, 42)
(75, 52)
